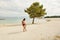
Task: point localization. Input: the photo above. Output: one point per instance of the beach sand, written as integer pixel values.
(49, 30)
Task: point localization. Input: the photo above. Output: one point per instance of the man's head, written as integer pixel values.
(24, 19)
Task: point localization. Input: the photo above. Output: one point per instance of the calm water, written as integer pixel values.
(18, 20)
(8, 20)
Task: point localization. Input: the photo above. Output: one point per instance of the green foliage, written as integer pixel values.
(35, 10)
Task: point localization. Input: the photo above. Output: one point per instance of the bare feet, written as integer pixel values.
(24, 30)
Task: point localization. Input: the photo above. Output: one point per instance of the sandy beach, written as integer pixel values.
(48, 30)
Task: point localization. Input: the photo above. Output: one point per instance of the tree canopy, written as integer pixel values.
(35, 10)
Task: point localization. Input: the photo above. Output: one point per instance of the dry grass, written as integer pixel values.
(57, 37)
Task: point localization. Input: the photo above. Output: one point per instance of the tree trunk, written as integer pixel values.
(33, 21)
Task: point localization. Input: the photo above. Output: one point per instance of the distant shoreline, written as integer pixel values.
(2, 19)
(45, 20)
(52, 17)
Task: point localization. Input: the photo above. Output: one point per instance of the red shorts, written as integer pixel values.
(23, 24)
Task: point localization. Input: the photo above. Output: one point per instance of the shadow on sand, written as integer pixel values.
(15, 32)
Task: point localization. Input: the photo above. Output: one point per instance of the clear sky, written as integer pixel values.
(16, 7)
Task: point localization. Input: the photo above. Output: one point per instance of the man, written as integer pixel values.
(24, 25)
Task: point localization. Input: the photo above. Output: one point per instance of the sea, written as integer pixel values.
(13, 20)
(18, 20)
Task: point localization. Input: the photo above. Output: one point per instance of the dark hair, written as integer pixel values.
(24, 19)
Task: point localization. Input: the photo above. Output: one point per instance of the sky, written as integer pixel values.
(15, 8)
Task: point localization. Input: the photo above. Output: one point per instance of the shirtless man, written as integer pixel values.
(24, 25)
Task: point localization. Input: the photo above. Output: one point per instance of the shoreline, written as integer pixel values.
(41, 21)
(49, 30)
